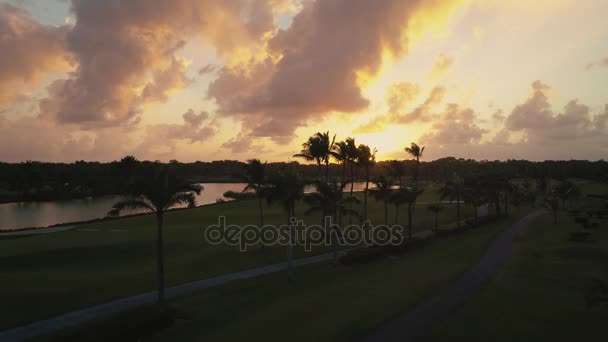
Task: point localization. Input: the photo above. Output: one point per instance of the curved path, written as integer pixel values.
(418, 322)
(79, 316)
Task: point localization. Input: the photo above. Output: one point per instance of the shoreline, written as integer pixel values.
(5, 232)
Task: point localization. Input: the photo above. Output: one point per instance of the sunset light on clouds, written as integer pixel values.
(234, 79)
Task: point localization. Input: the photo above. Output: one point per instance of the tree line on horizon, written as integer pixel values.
(40, 181)
(285, 186)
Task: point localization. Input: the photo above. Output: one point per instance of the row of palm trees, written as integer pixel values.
(286, 187)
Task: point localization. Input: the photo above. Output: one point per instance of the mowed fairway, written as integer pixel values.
(324, 303)
(55, 273)
(550, 291)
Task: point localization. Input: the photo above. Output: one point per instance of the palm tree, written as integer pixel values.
(340, 153)
(158, 195)
(329, 199)
(407, 196)
(255, 177)
(382, 191)
(366, 158)
(453, 190)
(396, 169)
(436, 209)
(352, 154)
(552, 203)
(474, 194)
(312, 150)
(318, 148)
(416, 152)
(286, 187)
(328, 146)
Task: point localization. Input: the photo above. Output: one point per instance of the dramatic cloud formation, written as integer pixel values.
(398, 97)
(28, 51)
(541, 125)
(95, 81)
(455, 126)
(161, 140)
(424, 111)
(126, 52)
(545, 134)
(321, 61)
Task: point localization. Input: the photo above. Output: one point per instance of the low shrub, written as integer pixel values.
(363, 255)
(580, 236)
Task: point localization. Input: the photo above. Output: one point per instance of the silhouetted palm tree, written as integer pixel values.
(453, 190)
(352, 153)
(366, 158)
(407, 196)
(255, 177)
(416, 152)
(286, 187)
(396, 169)
(158, 195)
(340, 153)
(552, 203)
(318, 148)
(436, 209)
(382, 191)
(329, 200)
(312, 150)
(474, 194)
(328, 146)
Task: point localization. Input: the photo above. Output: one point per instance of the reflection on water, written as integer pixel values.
(42, 214)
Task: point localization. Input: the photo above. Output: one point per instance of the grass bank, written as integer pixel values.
(552, 290)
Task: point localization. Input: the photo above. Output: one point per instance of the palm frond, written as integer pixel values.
(130, 204)
(181, 198)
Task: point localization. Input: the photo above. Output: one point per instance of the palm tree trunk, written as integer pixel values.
(261, 221)
(327, 170)
(458, 210)
(352, 184)
(319, 172)
(365, 193)
(409, 219)
(343, 171)
(386, 212)
(476, 214)
(554, 216)
(290, 244)
(160, 258)
(334, 244)
(416, 175)
(396, 214)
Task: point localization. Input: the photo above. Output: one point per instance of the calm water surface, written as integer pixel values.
(43, 214)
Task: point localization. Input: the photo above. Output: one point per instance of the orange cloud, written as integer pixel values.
(315, 64)
(29, 51)
(127, 52)
(441, 67)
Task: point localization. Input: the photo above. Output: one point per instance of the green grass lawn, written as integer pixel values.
(324, 303)
(51, 274)
(542, 295)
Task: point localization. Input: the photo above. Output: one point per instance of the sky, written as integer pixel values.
(238, 79)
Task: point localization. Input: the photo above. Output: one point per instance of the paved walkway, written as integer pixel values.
(75, 317)
(418, 322)
(36, 231)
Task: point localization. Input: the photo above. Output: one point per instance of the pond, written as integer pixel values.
(43, 214)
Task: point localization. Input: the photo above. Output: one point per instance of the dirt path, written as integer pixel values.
(420, 320)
